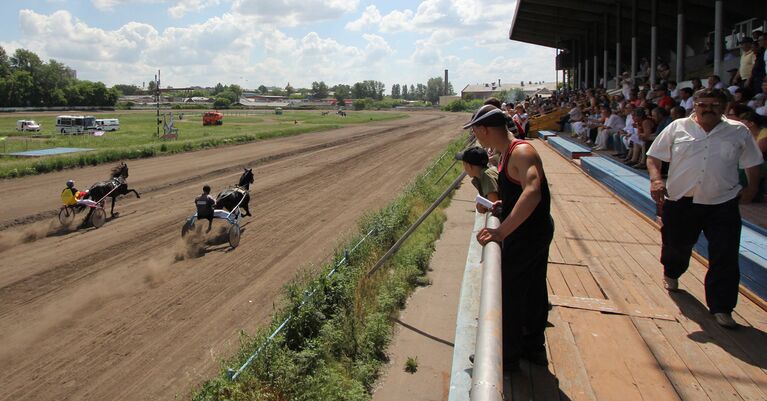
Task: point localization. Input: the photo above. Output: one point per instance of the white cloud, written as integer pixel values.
(293, 12)
(370, 17)
(184, 7)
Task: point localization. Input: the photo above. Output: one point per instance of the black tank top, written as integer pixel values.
(539, 223)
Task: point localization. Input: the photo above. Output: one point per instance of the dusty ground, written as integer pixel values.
(126, 312)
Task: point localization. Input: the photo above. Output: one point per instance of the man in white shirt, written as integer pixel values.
(702, 192)
(613, 123)
(686, 99)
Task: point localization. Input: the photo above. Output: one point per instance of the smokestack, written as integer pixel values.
(499, 82)
(447, 91)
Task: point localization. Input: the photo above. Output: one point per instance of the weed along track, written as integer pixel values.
(129, 311)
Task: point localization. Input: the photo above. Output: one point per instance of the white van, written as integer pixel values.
(27, 125)
(108, 124)
(75, 124)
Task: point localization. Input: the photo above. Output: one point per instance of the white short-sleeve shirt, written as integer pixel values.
(705, 165)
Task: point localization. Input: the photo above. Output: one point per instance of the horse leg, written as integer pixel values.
(246, 209)
(134, 191)
(112, 212)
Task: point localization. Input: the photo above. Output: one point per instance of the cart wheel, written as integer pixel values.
(187, 227)
(66, 216)
(98, 217)
(234, 235)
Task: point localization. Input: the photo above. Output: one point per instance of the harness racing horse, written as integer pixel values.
(115, 186)
(230, 197)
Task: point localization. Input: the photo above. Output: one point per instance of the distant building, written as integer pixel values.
(486, 90)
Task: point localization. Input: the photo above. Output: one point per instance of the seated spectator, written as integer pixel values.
(742, 96)
(521, 119)
(678, 112)
(714, 82)
(613, 123)
(755, 124)
(664, 73)
(664, 100)
(645, 128)
(626, 85)
(575, 117)
(686, 101)
(696, 85)
(747, 60)
(673, 91)
(759, 70)
(484, 178)
(620, 137)
(634, 142)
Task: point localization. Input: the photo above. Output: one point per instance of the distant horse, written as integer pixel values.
(341, 113)
(324, 113)
(230, 197)
(115, 186)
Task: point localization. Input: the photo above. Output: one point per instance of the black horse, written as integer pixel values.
(113, 187)
(230, 197)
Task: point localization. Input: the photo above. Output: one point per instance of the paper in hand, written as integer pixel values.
(487, 203)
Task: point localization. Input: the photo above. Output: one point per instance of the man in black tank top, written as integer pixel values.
(525, 232)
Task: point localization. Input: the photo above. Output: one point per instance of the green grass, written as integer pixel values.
(137, 136)
(335, 343)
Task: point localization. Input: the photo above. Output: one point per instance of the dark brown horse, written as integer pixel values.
(113, 187)
(229, 198)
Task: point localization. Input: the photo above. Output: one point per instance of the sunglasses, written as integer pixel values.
(703, 105)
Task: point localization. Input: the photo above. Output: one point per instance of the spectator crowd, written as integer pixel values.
(627, 120)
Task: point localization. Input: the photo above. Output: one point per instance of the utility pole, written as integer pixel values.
(157, 99)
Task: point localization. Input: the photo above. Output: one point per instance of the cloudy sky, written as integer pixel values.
(273, 42)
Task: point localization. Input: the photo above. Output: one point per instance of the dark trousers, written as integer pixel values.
(682, 223)
(525, 296)
(562, 121)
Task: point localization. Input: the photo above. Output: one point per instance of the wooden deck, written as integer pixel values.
(615, 333)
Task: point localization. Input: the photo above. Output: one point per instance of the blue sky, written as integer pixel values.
(273, 42)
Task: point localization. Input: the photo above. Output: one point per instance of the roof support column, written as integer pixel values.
(680, 53)
(604, 55)
(586, 79)
(633, 41)
(617, 43)
(718, 37)
(653, 40)
(596, 51)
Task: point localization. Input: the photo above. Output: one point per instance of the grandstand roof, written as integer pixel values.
(556, 23)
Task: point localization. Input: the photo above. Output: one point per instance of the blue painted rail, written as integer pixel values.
(569, 149)
(634, 188)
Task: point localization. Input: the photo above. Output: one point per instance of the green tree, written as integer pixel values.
(342, 92)
(435, 88)
(236, 89)
(405, 95)
(263, 90)
(395, 91)
(25, 60)
(5, 64)
(21, 85)
(221, 103)
(319, 90)
(218, 88)
(289, 90)
(127, 90)
(151, 86)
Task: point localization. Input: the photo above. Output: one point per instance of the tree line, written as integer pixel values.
(27, 81)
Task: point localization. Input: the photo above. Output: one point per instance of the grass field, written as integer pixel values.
(137, 136)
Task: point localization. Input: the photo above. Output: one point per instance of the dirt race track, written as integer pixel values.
(125, 312)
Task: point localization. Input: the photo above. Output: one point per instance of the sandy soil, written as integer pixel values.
(129, 311)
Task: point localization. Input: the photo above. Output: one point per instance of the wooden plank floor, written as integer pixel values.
(603, 250)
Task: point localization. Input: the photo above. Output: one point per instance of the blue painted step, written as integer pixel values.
(546, 134)
(635, 189)
(569, 149)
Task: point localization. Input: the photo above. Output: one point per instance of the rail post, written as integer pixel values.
(487, 380)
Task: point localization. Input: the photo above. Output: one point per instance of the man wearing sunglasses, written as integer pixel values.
(702, 193)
